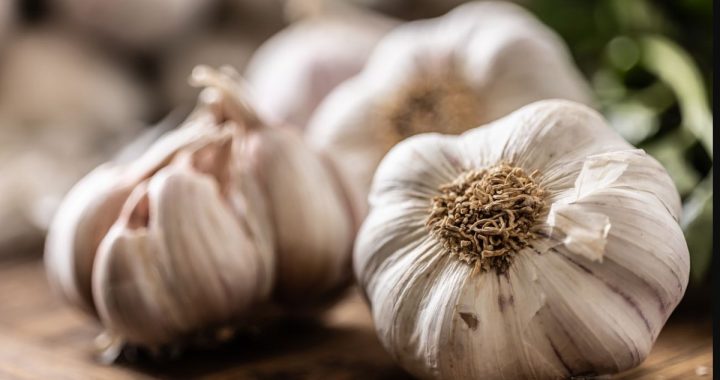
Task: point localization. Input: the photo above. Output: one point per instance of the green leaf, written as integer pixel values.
(674, 66)
(697, 221)
(669, 150)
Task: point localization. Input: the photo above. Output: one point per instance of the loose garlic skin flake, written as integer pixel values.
(473, 65)
(596, 269)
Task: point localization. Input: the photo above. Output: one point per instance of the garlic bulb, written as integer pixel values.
(296, 68)
(170, 243)
(213, 222)
(137, 23)
(539, 246)
(475, 64)
(64, 108)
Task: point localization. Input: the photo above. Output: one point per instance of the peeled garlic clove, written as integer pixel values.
(310, 217)
(541, 245)
(471, 66)
(164, 272)
(296, 68)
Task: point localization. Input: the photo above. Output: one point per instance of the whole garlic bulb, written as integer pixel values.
(217, 218)
(296, 68)
(539, 246)
(475, 64)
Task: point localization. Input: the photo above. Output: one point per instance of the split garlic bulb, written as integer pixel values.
(539, 246)
(475, 64)
(296, 68)
(216, 220)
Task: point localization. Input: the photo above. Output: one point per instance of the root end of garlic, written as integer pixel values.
(486, 216)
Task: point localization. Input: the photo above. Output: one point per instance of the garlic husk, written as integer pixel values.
(588, 295)
(295, 69)
(137, 24)
(163, 271)
(310, 216)
(484, 59)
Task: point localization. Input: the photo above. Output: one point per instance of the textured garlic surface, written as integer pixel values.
(297, 67)
(215, 223)
(539, 246)
(473, 65)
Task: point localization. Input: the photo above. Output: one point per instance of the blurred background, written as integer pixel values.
(79, 79)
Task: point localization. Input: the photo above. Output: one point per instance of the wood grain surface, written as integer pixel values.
(40, 338)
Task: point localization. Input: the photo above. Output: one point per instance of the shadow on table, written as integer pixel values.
(295, 349)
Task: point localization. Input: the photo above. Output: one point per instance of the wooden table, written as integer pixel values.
(40, 338)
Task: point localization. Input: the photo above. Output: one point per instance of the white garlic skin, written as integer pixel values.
(589, 299)
(312, 222)
(311, 218)
(505, 55)
(192, 235)
(154, 273)
(185, 268)
(139, 24)
(296, 68)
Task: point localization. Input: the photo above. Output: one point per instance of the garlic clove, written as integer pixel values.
(165, 271)
(310, 216)
(312, 225)
(80, 223)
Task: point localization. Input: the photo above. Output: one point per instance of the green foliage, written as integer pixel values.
(650, 65)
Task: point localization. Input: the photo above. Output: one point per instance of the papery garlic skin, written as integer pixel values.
(177, 259)
(590, 293)
(195, 233)
(500, 56)
(91, 207)
(310, 216)
(296, 68)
